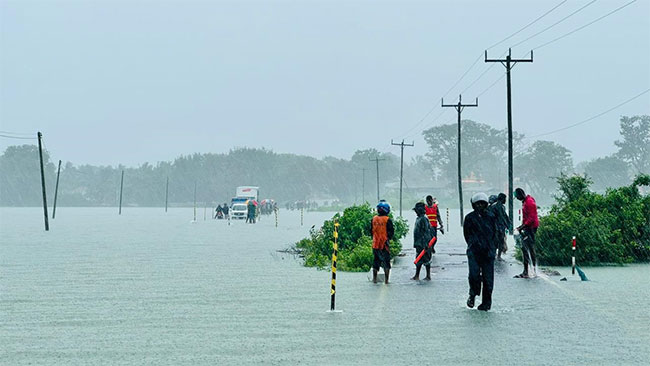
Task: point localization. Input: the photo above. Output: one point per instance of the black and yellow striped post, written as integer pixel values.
(334, 255)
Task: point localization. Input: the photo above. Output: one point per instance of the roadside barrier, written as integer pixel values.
(334, 255)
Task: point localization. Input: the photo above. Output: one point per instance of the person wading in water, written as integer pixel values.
(382, 230)
(479, 230)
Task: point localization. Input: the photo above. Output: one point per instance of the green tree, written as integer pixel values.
(540, 165)
(609, 171)
(634, 148)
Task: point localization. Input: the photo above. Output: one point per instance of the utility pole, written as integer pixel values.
(377, 160)
(166, 194)
(363, 185)
(195, 201)
(121, 187)
(40, 154)
(459, 108)
(509, 63)
(401, 169)
(56, 190)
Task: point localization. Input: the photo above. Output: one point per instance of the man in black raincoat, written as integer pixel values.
(498, 209)
(422, 235)
(480, 230)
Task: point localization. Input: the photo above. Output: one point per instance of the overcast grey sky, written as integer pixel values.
(111, 82)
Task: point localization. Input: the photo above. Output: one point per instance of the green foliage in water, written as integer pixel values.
(355, 243)
(610, 228)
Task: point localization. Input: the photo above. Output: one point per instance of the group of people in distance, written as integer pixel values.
(222, 212)
(484, 230)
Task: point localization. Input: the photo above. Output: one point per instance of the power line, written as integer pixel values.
(464, 74)
(591, 118)
(477, 60)
(528, 25)
(584, 26)
(17, 137)
(554, 24)
(491, 85)
(17, 133)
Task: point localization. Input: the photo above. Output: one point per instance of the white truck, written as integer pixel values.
(239, 209)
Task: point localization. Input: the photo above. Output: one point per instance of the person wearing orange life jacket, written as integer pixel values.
(433, 214)
(382, 231)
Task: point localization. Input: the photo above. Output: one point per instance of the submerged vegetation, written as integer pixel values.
(609, 228)
(355, 243)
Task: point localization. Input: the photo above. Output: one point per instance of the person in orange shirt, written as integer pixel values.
(382, 230)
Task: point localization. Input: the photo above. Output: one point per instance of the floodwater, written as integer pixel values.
(153, 288)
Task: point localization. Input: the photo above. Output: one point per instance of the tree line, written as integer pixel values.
(290, 177)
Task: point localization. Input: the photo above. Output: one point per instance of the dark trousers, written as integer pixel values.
(481, 272)
(528, 248)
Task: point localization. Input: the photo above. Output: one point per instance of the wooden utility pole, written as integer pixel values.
(194, 201)
(166, 194)
(40, 154)
(509, 63)
(459, 109)
(401, 169)
(377, 160)
(56, 190)
(121, 188)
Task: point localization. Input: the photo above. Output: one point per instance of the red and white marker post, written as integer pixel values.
(573, 257)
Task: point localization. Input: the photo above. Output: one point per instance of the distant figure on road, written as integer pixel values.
(251, 212)
(219, 213)
(527, 230)
(479, 230)
(498, 209)
(382, 230)
(422, 235)
(433, 214)
(226, 211)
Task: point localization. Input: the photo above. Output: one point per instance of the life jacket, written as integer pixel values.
(432, 214)
(379, 232)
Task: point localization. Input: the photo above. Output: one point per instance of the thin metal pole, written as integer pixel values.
(56, 190)
(121, 188)
(40, 154)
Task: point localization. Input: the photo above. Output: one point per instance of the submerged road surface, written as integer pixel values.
(149, 288)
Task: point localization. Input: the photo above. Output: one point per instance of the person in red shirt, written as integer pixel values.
(527, 230)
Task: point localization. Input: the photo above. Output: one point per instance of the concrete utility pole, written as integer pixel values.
(459, 108)
(40, 154)
(377, 160)
(401, 169)
(56, 190)
(509, 63)
(167, 194)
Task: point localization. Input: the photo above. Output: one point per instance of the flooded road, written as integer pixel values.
(152, 288)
